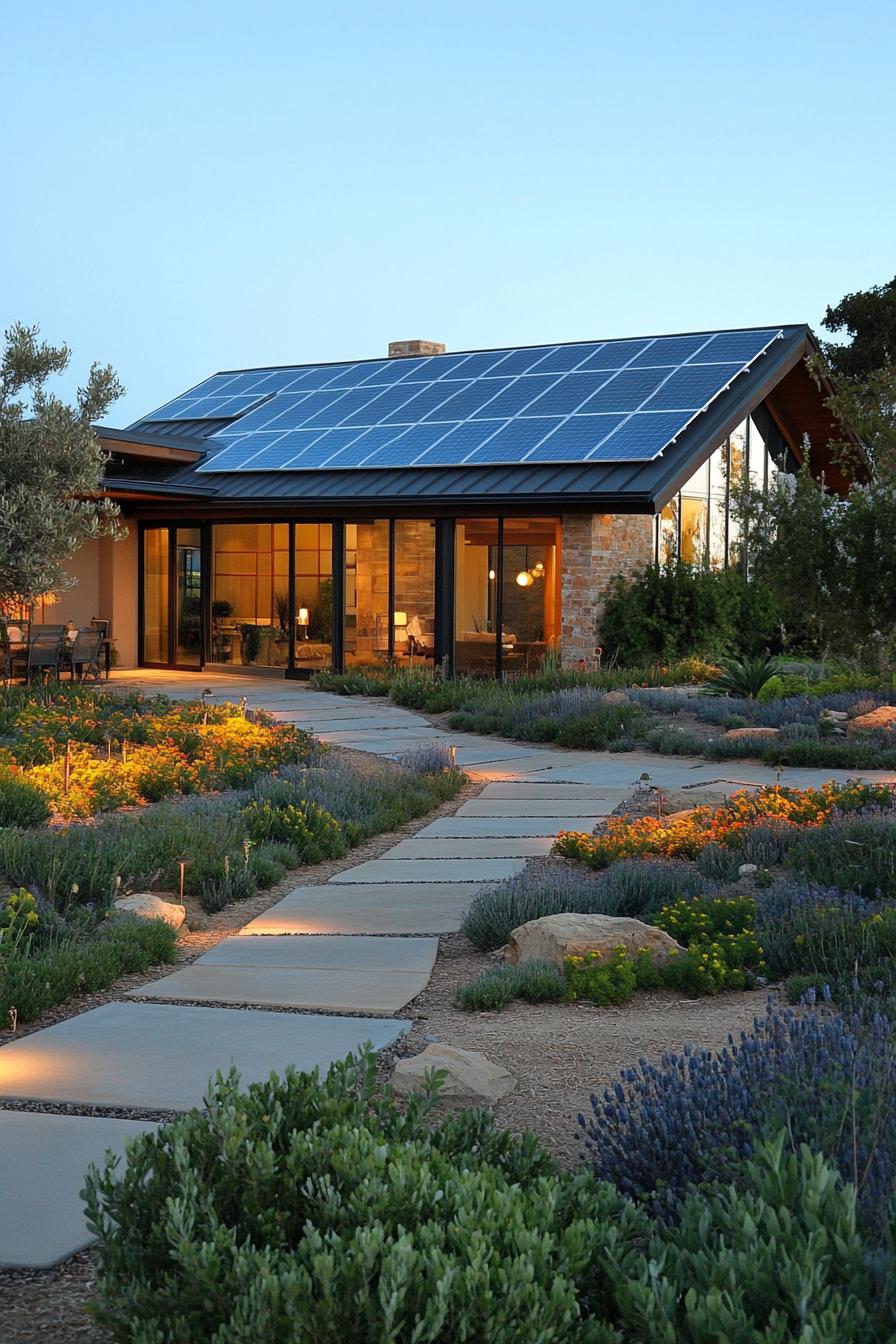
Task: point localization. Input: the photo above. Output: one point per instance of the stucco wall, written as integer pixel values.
(106, 574)
(596, 547)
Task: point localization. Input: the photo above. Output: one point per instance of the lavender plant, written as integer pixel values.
(824, 1078)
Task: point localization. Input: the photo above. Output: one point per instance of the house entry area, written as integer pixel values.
(480, 594)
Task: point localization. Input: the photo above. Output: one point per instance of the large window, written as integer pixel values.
(414, 597)
(697, 525)
(313, 562)
(250, 594)
(506, 607)
(155, 595)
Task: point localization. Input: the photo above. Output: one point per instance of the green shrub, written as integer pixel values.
(534, 981)
(743, 678)
(314, 1212)
(305, 826)
(266, 868)
(678, 610)
(779, 1260)
(604, 980)
(317, 1212)
(21, 804)
(33, 980)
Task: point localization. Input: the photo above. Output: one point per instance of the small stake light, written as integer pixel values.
(182, 865)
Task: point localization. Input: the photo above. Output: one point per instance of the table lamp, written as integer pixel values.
(303, 619)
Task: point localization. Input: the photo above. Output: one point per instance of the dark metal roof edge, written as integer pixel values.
(141, 437)
(140, 486)
(703, 436)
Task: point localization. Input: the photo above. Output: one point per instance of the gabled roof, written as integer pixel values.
(622, 437)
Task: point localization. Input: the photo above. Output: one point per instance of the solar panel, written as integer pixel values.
(640, 437)
(513, 397)
(285, 448)
(513, 441)
(468, 401)
(574, 439)
(589, 401)
(404, 450)
(625, 390)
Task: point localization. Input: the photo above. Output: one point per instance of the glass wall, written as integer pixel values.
(188, 596)
(697, 526)
(313, 561)
(155, 595)
(250, 594)
(529, 605)
(414, 597)
(506, 605)
(476, 597)
(367, 617)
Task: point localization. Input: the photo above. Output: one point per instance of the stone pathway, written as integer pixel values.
(321, 955)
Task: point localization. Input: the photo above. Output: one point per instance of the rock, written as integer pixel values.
(747, 869)
(760, 734)
(471, 1076)
(616, 698)
(676, 800)
(555, 937)
(880, 720)
(835, 715)
(147, 905)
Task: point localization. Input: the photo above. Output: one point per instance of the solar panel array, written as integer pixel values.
(604, 401)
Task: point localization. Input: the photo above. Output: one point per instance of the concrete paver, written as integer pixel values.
(538, 807)
(423, 846)
(336, 991)
(499, 827)
(344, 954)
(429, 870)
(400, 907)
(42, 1167)
(160, 1056)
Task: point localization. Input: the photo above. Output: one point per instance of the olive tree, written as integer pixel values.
(51, 466)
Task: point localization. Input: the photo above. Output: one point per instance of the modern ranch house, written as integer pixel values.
(466, 510)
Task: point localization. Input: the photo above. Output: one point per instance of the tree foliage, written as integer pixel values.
(829, 563)
(51, 466)
(863, 373)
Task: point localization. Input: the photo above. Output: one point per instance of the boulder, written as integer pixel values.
(677, 800)
(555, 937)
(880, 720)
(760, 734)
(471, 1076)
(616, 698)
(747, 870)
(835, 715)
(147, 905)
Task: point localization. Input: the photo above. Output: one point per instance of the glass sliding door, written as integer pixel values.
(529, 593)
(313, 569)
(476, 598)
(367, 636)
(414, 591)
(188, 596)
(155, 595)
(251, 615)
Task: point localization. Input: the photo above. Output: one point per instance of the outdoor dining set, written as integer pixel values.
(30, 651)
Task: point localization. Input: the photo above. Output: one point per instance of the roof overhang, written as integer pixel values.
(135, 443)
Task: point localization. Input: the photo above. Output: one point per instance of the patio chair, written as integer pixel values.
(83, 654)
(45, 651)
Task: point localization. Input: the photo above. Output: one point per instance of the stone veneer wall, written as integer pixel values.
(596, 547)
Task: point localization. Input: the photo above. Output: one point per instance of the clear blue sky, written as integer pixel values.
(195, 186)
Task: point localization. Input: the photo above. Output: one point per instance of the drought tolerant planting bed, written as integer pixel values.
(809, 720)
(778, 885)
(266, 799)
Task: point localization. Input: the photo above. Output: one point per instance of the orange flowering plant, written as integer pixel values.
(685, 835)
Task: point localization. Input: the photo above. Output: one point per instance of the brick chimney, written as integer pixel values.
(404, 349)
